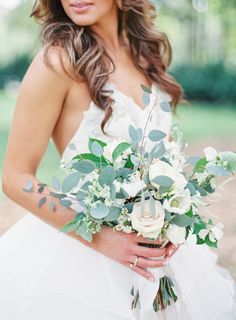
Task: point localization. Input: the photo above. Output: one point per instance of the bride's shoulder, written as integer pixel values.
(53, 59)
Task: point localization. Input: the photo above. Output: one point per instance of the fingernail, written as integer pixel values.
(151, 279)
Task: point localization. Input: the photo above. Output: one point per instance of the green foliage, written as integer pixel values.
(212, 82)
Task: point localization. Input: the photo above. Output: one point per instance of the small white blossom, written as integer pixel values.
(176, 234)
(210, 153)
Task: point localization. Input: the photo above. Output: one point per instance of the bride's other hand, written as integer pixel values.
(124, 248)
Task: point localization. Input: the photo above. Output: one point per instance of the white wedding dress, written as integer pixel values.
(48, 275)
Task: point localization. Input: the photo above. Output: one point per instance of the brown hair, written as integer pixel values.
(88, 56)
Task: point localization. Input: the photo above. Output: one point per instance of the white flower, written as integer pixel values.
(145, 224)
(161, 168)
(215, 232)
(210, 153)
(178, 203)
(176, 234)
(134, 185)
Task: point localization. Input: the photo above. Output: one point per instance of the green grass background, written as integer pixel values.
(199, 122)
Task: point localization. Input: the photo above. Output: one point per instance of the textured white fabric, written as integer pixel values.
(46, 274)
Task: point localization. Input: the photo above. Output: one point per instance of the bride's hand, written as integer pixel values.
(124, 248)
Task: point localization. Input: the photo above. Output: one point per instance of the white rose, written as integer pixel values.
(210, 153)
(176, 234)
(178, 203)
(161, 168)
(145, 224)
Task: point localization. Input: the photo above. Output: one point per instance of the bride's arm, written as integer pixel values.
(38, 106)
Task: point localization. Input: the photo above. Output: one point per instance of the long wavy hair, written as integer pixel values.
(89, 58)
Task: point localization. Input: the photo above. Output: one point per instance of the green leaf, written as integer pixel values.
(92, 140)
(97, 149)
(113, 215)
(191, 188)
(156, 135)
(90, 156)
(146, 99)
(210, 243)
(200, 240)
(146, 89)
(135, 160)
(202, 191)
(217, 170)
(80, 195)
(182, 220)
(200, 165)
(123, 146)
(65, 203)
(198, 227)
(84, 166)
(40, 189)
(124, 172)
(28, 187)
(165, 106)
(72, 146)
(99, 212)
(42, 201)
(57, 195)
(71, 182)
(52, 206)
(168, 216)
(163, 181)
(158, 150)
(133, 134)
(107, 176)
(83, 232)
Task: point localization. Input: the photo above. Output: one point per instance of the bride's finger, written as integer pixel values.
(143, 272)
(171, 249)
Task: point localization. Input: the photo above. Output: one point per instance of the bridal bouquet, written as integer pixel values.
(155, 193)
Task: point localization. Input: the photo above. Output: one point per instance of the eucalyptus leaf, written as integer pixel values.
(165, 106)
(83, 232)
(217, 170)
(90, 156)
(107, 176)
(133, 134)
(202, 191)
(122, 147)
(156, 135)
(168, 216)
(135, 160)
(146, 89)
(99, 212)
(146, 99)
(92, 140)
(113, 214)
(124, 172)
(57, 195)
(191, 188)
(71, 182)
(163, 181)
(80, 195)
(97, 149)
(72, 146)
(65, 203)
(42, 201)
(84, 166)
(28, 187)
(52, 206)
(158, 150)
(182, 220)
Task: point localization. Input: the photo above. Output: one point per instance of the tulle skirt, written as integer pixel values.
(46, 274)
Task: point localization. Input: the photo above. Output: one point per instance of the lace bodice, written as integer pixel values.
(125, 112)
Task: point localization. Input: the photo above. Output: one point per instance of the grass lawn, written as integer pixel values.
(198, 122)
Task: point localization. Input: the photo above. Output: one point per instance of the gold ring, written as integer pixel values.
(136, 261)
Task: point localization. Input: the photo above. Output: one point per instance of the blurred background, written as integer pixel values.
(203, 37)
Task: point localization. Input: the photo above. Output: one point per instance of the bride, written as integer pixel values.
(85, 81)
